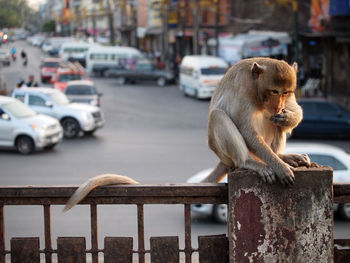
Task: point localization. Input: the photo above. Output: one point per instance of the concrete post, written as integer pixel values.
(273, 223)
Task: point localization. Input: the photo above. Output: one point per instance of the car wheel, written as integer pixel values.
(24, 145)
(161, 82)
(344, 211)
(220, 213)
(121, 80)
(70, 127)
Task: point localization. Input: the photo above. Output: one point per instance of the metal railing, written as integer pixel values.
(120, 249)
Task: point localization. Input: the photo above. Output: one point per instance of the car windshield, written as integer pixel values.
(51, 64)
(18, 109)
(59, 98)
(80, 90)
(69, 77)
(213, 71)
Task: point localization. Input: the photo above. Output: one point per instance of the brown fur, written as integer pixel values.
(251, 111)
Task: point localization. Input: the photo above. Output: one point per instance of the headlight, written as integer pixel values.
(87, 116)
(94, 102)
(38, 129)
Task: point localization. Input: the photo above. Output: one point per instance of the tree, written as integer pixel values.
(15, 13)
(49, 26)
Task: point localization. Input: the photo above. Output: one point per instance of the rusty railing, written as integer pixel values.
(116, 249)
(120, 249)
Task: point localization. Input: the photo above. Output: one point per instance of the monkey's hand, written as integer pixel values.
(284, 118)
(285, 174)
(296, 160)
(266, 173)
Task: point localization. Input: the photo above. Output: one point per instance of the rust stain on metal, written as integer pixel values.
(249, 229)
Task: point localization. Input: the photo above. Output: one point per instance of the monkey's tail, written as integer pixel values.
(92, 183)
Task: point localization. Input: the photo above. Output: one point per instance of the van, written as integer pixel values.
(75, 51)
(100, 59)
(199, 75)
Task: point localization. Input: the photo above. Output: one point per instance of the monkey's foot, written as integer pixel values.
(296, 160)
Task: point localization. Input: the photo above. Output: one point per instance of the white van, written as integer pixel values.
(199, 75)
(99, 58)
(75, 51)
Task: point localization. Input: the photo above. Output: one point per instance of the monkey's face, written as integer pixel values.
(275, 99)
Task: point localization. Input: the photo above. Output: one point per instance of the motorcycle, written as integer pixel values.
(14, 56)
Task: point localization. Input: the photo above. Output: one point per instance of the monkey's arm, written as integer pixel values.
(257, 145)
(227, 142)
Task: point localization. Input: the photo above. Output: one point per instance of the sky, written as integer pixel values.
(35, 3)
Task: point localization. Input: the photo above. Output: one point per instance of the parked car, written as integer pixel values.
(143, 70)
(22, 128)
(323, 119)
(5, 58)
(48, 69)
(83, 91)
(322, 154)
(67, 73)
(74, 117)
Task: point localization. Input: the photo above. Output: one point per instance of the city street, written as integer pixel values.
(153, 134)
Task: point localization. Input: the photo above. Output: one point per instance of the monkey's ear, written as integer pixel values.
(295, 67)
(257, 70)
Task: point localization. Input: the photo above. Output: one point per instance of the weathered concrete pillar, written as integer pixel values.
(273, 223)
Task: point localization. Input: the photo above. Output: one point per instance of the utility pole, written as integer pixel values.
(165, 42)
(196, 28)
(216, 2)
(182, 22)
(94, 22)
(110, 14)
(296, 30)
(134, 14)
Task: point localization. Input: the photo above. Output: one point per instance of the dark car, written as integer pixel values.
(323, 119)
(143, 70)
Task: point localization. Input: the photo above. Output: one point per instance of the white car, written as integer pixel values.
(24, 129)
(322, 154)
(74, 117)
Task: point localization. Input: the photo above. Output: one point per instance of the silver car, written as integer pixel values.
(83, 91)
(24, 129)
(74, 117)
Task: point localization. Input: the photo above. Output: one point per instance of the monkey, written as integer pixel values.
(252, 110)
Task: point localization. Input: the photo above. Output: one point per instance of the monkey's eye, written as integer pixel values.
(274, 92)
(286, 93)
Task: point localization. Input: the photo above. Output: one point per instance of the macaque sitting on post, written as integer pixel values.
(252, 110)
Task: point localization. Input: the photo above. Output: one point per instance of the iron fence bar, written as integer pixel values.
(2, 235)
(94, 237)
(188, 245)
(47, 233)
(141, 233)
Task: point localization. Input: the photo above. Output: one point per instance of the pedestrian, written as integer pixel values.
(31, 82)
(24, 57)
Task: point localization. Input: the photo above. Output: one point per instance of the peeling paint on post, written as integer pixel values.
(273, 223)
